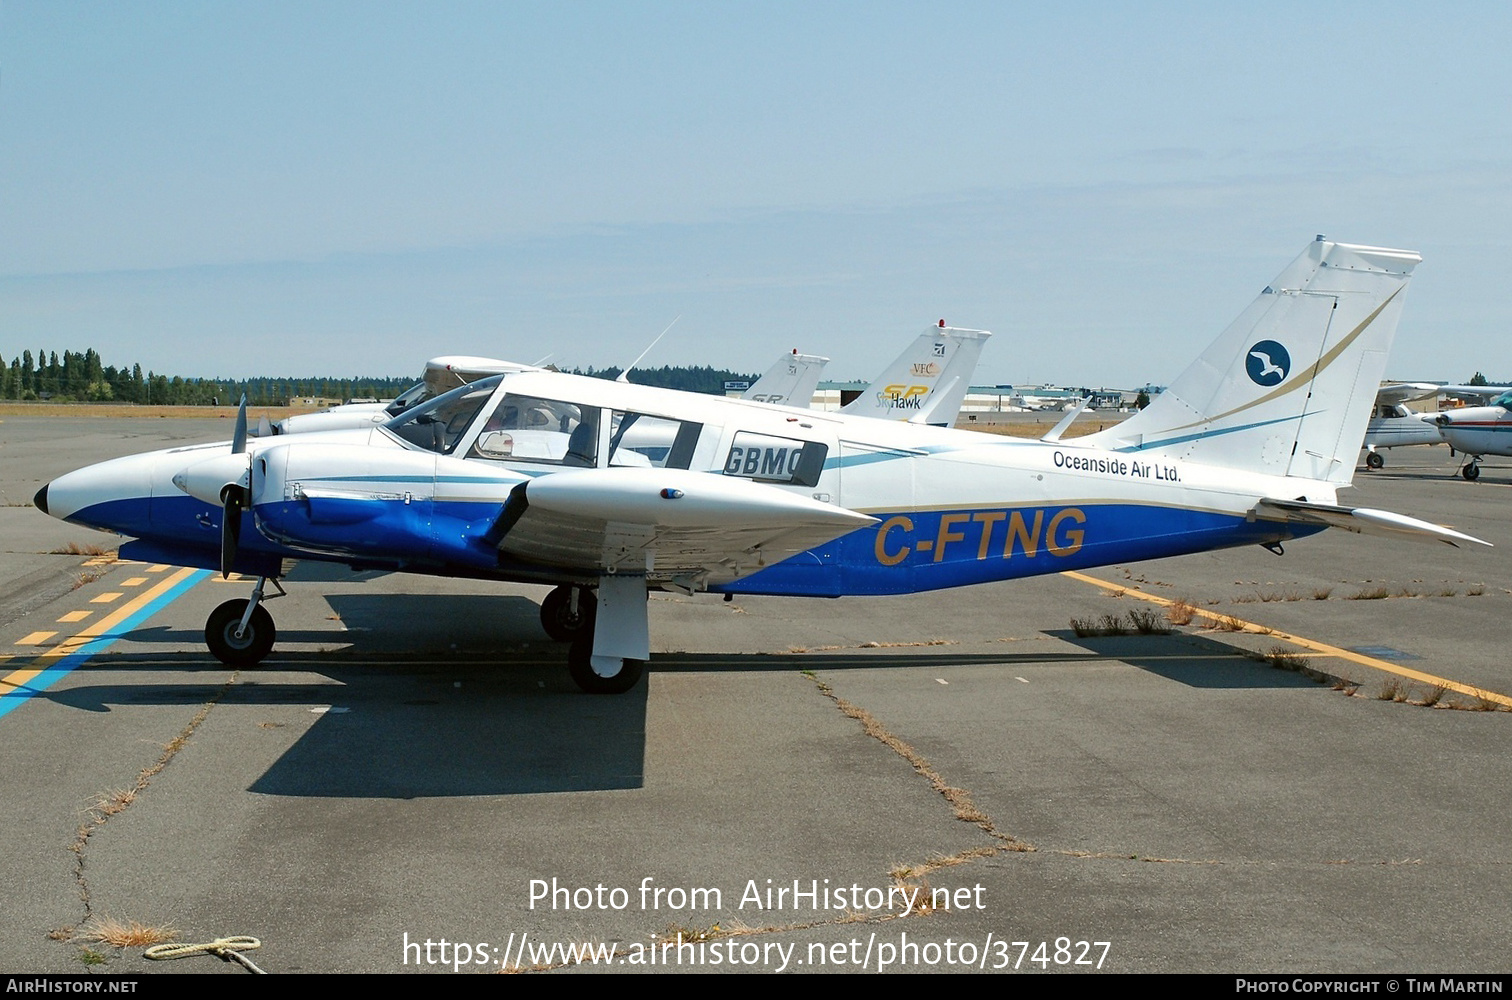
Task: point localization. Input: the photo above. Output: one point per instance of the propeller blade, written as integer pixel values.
(234, 502)
(239, 439)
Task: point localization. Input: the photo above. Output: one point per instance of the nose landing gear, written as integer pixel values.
(241, 633)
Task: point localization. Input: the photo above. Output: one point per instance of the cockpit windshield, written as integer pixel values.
(409, 398)
(1504, 401)
(438, 424)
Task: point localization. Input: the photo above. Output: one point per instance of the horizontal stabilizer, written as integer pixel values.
(1363, 520)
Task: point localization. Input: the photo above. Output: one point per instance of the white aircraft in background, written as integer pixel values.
(1478, 431)
(759, 499)
(1393, 425)
(441, 375)
(928, 382)
(789, 382)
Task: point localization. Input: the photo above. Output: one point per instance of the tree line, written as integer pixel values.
(81, 376)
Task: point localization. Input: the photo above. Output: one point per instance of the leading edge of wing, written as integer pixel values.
(673, 519)
(1362, 520)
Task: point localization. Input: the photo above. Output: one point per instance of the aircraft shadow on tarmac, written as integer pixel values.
(393, 727)
(405, 730)
(1193, 660)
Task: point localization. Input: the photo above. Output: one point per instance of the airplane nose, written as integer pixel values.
(40, 500)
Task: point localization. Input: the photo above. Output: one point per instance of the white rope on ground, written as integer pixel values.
(227, 949)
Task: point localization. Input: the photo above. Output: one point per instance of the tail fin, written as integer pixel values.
(1288, 388)
(930, 378)
(790, 382)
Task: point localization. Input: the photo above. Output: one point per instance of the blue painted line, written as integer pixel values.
(15, 699)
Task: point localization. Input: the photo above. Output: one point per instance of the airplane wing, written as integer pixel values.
(1362, 520)
(669, 524)
(1405, 392)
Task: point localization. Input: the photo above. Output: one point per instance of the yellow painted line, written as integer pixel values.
(17, 679)
(1321, 648)
(35, 639)
(110, 621)
(158, 568)
(135, 581)
(233, 578)
(106, 598)
(75, 616)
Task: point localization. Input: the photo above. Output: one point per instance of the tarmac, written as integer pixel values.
(1308, 776)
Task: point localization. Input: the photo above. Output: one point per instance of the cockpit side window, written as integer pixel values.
(534, 429)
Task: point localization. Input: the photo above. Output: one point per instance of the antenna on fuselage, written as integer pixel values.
(623, 376)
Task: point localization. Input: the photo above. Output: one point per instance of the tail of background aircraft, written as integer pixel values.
(790, 382)
(928, 381)
(1288, 388)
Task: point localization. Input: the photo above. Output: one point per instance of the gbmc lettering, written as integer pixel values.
(763, 462)
(978, 535)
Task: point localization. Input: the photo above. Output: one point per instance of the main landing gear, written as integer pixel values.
(1374, 461)
(568, 612)
(241, 633)
(601, 661)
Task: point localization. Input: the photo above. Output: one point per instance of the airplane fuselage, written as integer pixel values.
(950, 507)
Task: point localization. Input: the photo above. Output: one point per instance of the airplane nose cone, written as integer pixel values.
(40, 500)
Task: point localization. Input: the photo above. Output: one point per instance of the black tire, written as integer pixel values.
(557, 617)
(255, 643)
(1471, 472)
(580, 666)
(1374, 461)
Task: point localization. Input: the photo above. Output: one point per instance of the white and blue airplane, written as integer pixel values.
(530, 477)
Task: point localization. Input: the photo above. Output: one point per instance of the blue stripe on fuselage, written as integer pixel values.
(912, 551)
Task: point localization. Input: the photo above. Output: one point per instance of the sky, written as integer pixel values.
(347, 189)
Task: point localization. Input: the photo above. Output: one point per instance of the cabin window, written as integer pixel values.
(646, 441)
(533, 429)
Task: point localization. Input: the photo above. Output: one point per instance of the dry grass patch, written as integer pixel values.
(1434, 696)
(1139, 621)
(1392, 690)
(1284, 659)
(1321, 593)
(1181, 612)
(75, 549)
(87, 577)
(1228, 623)
(126, 933)
(1373, 594)
(116, 801)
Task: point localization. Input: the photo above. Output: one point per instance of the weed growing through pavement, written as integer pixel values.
(126, 933)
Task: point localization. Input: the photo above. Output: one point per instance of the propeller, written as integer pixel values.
(233, 497)
(225, 480)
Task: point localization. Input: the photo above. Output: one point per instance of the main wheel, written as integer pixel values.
(1374, 460)
(255, 643)
(1471, 472)
(558, 619)
(580, 666)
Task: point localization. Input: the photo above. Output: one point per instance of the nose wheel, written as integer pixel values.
(241, 633)
(1374, 461)
(1471, 471)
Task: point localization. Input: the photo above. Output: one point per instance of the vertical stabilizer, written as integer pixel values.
(931, 378)
(1288, 387)
(790, 382)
